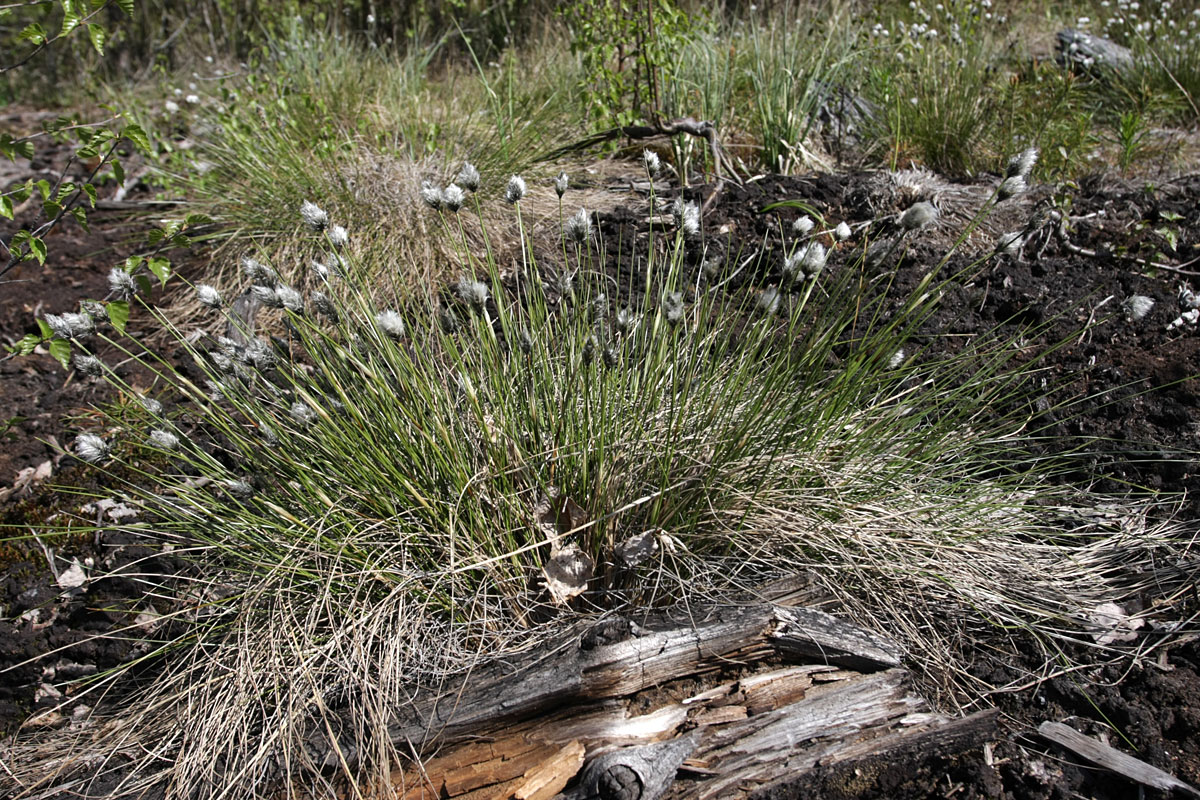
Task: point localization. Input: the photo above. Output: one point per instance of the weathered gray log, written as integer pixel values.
(1092, 54)
(1104, 756)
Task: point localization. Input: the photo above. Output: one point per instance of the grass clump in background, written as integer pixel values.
(377, 492)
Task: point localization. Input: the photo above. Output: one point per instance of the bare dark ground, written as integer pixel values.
(1138, 431)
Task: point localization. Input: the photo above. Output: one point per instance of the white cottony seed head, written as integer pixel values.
(208, 296)
(314, 216)
(768, 300)
(579, 226)
(625, 321)
(842, 232)
(515, 189)
(89, 365)
(468, 177)
(473, 293)
(897, 359)
(338, 237)
(793, 266)
(91, 448)
(164, 439)
(1138, 306)
(258, 273)
(453, 198)
(918, 216)
(1010, 243)
(689, 220)
(239, 489)
(121, 283)
(266, 296)
(673, 307)
(653, 164)
(560, 184)
(814, 259)
(302, 414)
(1011, 187)
(153, 406)
(1022, 163)
(324, 305)
(391, 323)
(71, 325)
(803, 225)
(431, 195)
(290, 299)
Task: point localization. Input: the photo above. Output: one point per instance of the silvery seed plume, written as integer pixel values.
(673, 307)
(1022, 163)
(338, 237)
(208, 296)
(164, 439)
(290, 299)
(121, 283)
(238, 489)
(814, 259)
(1011, 187)
(431, 195)
(842, 232)
(653, 164)
(689, 220)
(302, 414)
(515, 189)
(93, 308)
(803, 225)
(320, 270)
(260, 354)
(1010, 243)
(258, 273)
(473, 293)
(579, 226)
(453, 198)
(793, 266)
(768, 301)
(560, 184)
(610, 357)
(877, 252)
(91, 448)
(314, 216)
(266, 296)
(216, 392)
(918, 216)
(590, 346)
(324, 306)
(897, 359)
(89, 365)
(1138, 306)
(71, 325)
(152, 406)
(625, 322)
(391, 323)
(468, 177)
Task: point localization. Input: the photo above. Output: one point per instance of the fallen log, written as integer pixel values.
(712, 702)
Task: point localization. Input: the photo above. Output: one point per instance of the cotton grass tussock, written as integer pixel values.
(314, 217)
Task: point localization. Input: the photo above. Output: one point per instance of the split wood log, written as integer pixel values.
(708, 702)
(1109, 758)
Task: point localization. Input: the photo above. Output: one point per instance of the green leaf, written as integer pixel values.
(11, 149)
(143, 283)
(44, 327)
(27, 344)
(38, 248)
(126, 6)
(96, 35)
(33, 33)
(6, 207)
(135, 134)
(132, 263)
(118, 315)
(118, 172)
(51, 209)
(161, 268)
(21, 193)
(90, 191)
(81, 217)
(61, 350)
(43, 186)
(70, 20)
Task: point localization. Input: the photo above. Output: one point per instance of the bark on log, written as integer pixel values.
(730, 697)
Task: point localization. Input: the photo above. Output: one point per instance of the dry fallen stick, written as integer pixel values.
(1104, 756)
